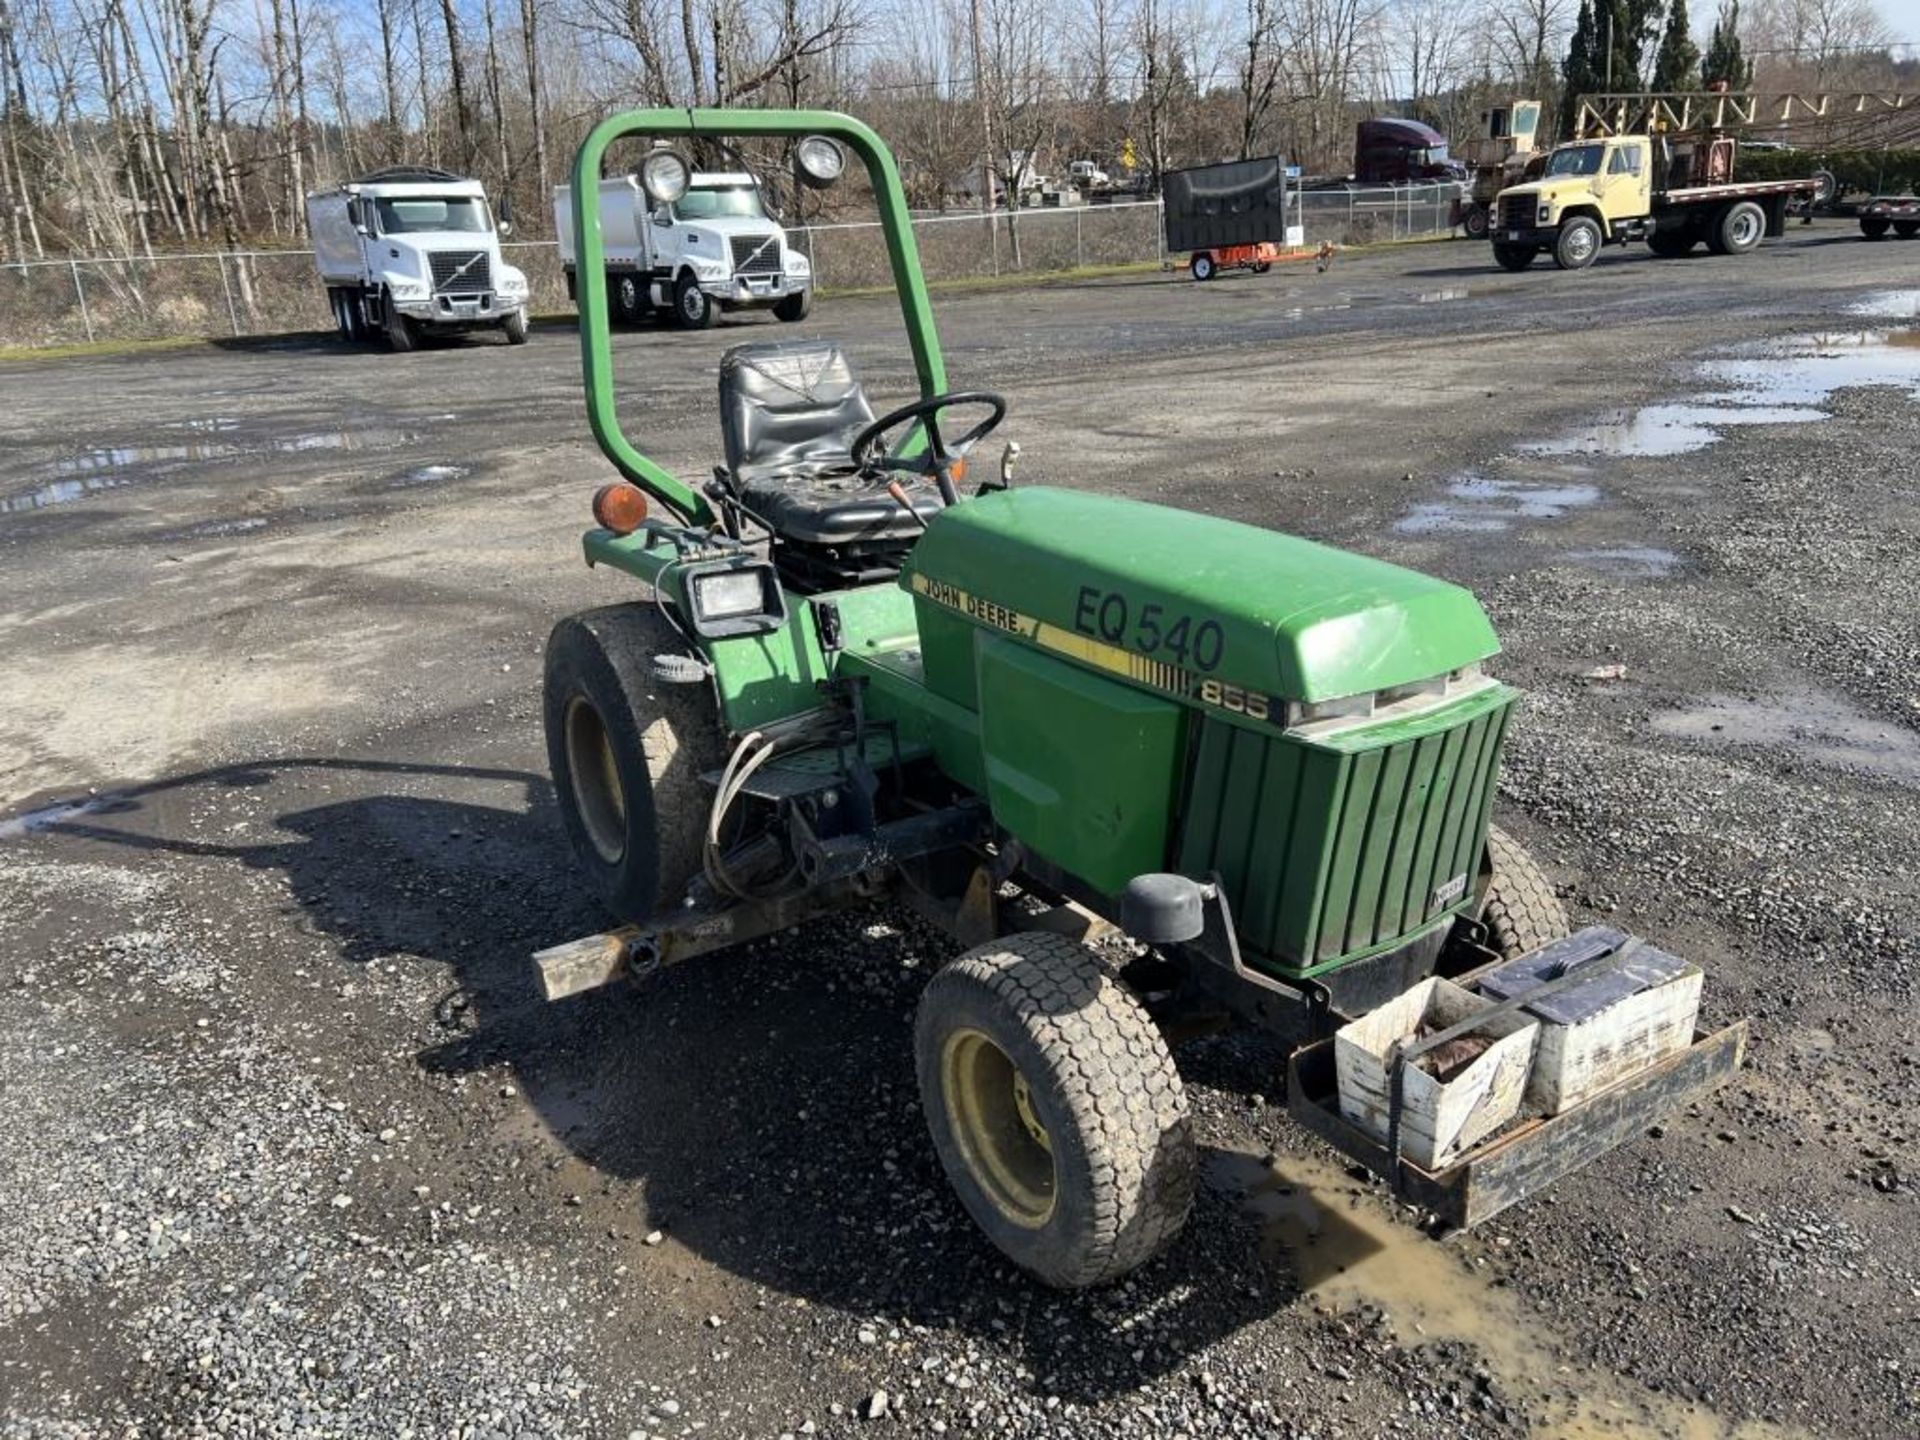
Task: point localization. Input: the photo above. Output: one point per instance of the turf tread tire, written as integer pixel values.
(1521, 910)
(1106, 1087)
(667, 735)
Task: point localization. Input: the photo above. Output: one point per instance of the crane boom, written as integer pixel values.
(1699, 111)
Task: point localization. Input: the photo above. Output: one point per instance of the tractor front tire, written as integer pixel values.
(1055, 1109)
(1476, 222)
(401, 336)
(1519, 907)
(626, 753)
(628, 297)
(1514, 257)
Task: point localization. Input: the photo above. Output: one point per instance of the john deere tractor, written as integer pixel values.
(1151, 769)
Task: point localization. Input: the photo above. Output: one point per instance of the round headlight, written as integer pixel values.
(822, 161)
(664, 175)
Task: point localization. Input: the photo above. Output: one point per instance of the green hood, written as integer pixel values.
(1225, 601)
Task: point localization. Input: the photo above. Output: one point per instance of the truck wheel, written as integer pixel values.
(1476, 222)
(1874, 226)
(626, 753)
(1906, 229)
(1577, 243)
(518, 327)
(1202, 265)
(1055, 1109)
(795, 307)
(628, 293)
(1518, 907)
(1514, 257)
(401, 336)
(692, 306)
(1671, 244)
(338, 300)
(1737, 229)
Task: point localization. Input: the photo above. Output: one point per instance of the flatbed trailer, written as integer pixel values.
(1898, 213)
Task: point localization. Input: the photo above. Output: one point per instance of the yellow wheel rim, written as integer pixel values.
(598, 796)
(991, 1114)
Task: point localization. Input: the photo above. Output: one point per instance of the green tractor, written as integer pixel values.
(1152, 770)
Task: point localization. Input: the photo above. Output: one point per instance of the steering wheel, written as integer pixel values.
(869, 456)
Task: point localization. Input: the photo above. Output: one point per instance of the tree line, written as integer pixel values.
(131, 127)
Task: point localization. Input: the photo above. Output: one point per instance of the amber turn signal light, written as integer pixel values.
(957, 469)
(620, 507)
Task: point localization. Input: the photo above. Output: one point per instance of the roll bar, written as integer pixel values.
(590, 275)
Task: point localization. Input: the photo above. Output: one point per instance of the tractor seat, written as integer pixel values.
(790, 411)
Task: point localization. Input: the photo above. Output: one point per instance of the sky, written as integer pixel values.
(1902, 17)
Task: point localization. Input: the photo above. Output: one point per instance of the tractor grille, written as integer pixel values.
(1327, 853)
(1516, 212)
(450, 278)
(756, 254)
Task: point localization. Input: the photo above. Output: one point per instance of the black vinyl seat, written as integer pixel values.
(790, 411)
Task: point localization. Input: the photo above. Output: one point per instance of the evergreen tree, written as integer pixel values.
(1578, 70)
(1723, 60)
(1673, 67)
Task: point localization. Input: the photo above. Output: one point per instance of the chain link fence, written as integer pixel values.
(276, 292)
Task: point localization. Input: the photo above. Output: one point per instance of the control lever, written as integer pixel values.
(899, 493)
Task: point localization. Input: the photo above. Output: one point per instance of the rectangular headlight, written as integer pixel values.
(729, 598)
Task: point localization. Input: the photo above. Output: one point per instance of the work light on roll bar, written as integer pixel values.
(664, 175)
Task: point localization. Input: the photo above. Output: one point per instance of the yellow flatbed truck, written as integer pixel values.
(1673, 192)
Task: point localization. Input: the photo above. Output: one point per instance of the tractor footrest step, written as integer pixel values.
(1526, 1158)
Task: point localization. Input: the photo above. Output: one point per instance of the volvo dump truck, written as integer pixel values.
(413, 250)
(713, 249)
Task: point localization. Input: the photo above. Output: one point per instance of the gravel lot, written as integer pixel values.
(289, 1146)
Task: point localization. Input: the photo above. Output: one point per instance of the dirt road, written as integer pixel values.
(289, 1146)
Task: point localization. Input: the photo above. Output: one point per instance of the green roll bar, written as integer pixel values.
(590, 274)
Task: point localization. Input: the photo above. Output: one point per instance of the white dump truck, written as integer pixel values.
(408, 250)
(713, 248)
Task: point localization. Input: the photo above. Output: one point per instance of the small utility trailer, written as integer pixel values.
(1154, 771)
(1233, 216)
(1898, 213)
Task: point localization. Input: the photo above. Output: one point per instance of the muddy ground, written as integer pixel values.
(288, 1144)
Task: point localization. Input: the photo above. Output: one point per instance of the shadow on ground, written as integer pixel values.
(762, 1100)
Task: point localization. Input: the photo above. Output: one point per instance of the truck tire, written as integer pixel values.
(401, 336)
(518, 327)
(1476, 222)
(1874, 226)
(1738, 228)
(795, 307)
(1203, 265)
(1519, 906)
(692, 307)
(1055, 1109)
(626, 753)
(1672, 244)
(627, 297)
(357, 327)
(1513, 257)
(1578, 242)
(1906, 229)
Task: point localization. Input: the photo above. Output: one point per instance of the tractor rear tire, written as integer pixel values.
(1055, 1109)
(626, 753)
(1514, 257)
(627, 296)
(1578, 243)
(1737, 229)
(1519, 908)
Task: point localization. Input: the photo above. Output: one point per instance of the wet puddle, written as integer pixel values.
(1888, 305)
(1821, 728)
(74, 477)
(427, 475)
(1778, 383)
(1477, 503)
(1345, 1250)
(1649, 562)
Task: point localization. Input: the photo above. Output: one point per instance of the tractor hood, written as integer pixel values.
(1270, 613)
